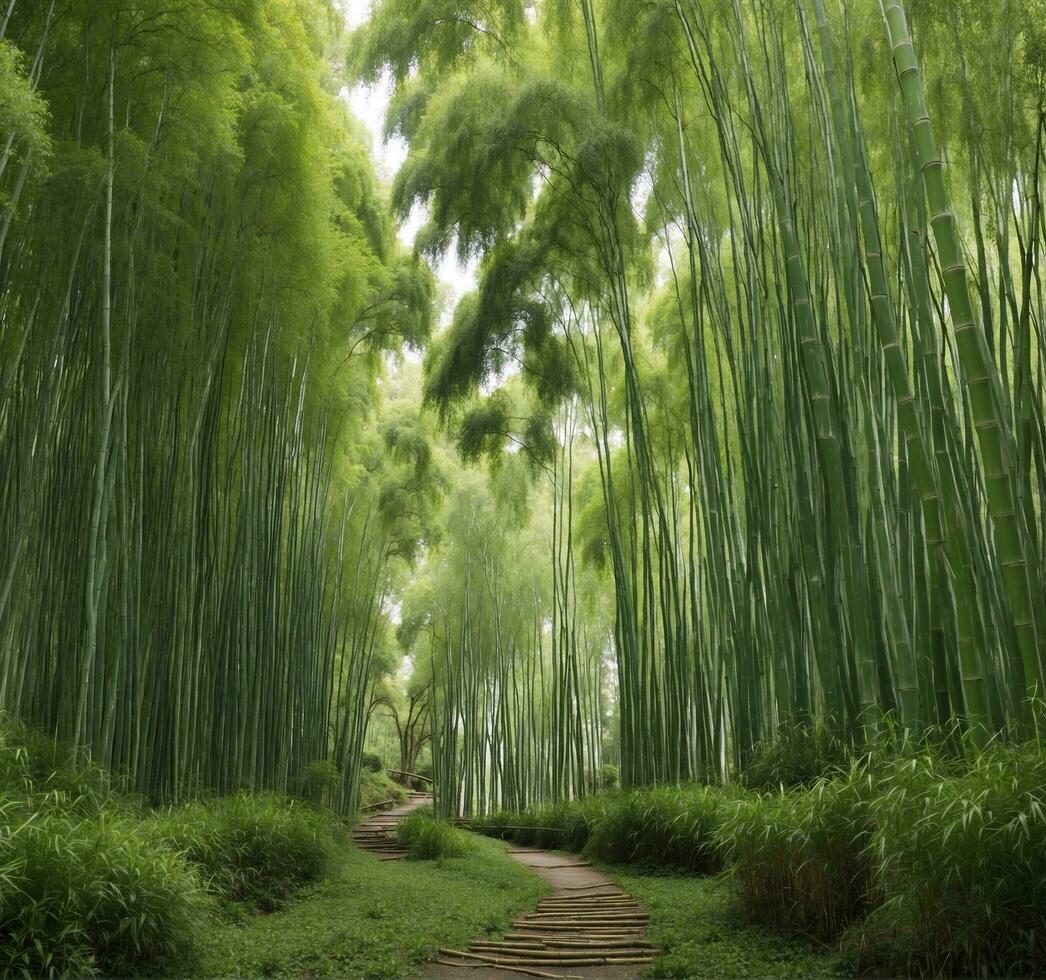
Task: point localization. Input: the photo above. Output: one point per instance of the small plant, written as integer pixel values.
(427, 838)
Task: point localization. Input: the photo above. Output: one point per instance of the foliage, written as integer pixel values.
(961, 861)
(251, 848)
(701, 931)
(376, 787)
(608, 776)
(319, 782)
(797, 755)
(427, 838)
(92, 895)
(371, 762)
(800, 859)
(376, 918)
(662, 827)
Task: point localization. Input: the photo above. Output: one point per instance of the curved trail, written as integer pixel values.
(377, 834)
(587, 928)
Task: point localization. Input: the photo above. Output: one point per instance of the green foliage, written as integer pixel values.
(800, 858)
(371, 762)
(23, 113)
(41, 772)
(797, 755)
(251, 848)
(376, 918)
(664, 827)
(608, 776)
(427, 838)
(86, 896)
(701, 931)
(320, 780)
(961, 862)
(376, 787)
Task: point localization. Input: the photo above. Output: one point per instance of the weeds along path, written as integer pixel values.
(587, 928)
(377, 834)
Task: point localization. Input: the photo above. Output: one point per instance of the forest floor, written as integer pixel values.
(380, 918)
(375, 918)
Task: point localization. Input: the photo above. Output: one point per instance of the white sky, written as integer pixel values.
(369, 104)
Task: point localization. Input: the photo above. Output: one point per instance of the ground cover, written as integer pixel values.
(701, 930)
(371, 918)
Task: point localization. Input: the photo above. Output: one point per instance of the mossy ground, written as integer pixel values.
(375, 919)
(697, 922)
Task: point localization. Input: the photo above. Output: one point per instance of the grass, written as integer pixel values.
(376, 787)
(376, 919)
(701, 930)
(80, 896)
(254, 848)
(800, 858)
(427, 838)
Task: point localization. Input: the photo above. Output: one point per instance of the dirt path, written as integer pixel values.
(587, 928)
(377, 834)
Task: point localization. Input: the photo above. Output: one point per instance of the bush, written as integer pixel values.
(82, 897)
(663, 826)
(319, 782)
(799, 858)
(371, 762)
(607, 776)
(427, 838)
(43, 772)
(797, 756)
(252, 848)
(962, 863)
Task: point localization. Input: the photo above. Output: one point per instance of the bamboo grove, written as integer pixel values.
(761, 288)
(742, 427)
(200, 510)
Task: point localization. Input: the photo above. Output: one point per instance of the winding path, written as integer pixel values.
(587, 928)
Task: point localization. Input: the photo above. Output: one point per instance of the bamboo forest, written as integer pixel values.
(522, 487)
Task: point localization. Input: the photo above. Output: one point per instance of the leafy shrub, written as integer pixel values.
(86, 896)
(427, 838)
(607, 776)
(798, 755)
(319, 781)
(799, 857)
(252, 848)
(663, 826)
(371, 762)
(41, 771)
(962, 863)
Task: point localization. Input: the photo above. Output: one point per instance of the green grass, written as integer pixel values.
(427, 838)
(376, 787)
(250, 847)
(699, 925)
(374, 919)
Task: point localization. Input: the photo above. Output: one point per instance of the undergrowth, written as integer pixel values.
(427, 838)
(930, 862)
(250, 847)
